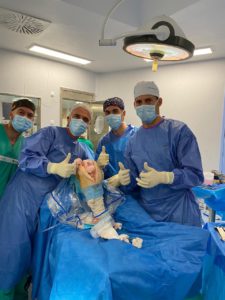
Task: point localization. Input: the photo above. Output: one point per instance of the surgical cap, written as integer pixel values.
(23, 102)
(115, 101)
(146, 88)
(84, 106)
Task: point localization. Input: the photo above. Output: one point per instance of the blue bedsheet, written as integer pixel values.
(214, 265)
(69, 264)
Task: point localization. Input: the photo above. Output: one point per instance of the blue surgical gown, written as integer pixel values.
(24, 195)
(115, 147)
(169, 146)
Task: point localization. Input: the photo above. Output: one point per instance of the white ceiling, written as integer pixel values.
(76, 27)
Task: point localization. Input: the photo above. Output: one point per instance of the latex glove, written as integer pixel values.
(64, 168)
(122, 178)
(114, 180)
(77, 162)
(152, 177)
(103, 158)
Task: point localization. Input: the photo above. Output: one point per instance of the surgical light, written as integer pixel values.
(59, 55)
(202, 51)
(160, 40)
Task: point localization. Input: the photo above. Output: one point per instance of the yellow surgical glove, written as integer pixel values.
(114, 181)
(151, 177)
(64, 168)
(122, 178)
(103, 158)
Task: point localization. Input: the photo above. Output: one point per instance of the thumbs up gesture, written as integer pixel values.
(124, 175)
(67, 159)
(103, 158)
(122, 178)
(150, 178)
(63, 168)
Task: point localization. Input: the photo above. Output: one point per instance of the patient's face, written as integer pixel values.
(89, 173)
(89, 167)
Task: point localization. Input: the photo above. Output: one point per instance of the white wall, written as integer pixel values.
(191, 92)
(37, 77)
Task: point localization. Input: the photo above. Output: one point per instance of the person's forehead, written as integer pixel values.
(112, 107)
(143, 97)
(23, 108)
(81, 111)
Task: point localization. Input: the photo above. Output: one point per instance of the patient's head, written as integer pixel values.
(89, 167)
(89, 173)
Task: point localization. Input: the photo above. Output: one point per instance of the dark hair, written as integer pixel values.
(23, 103)
(115, 101)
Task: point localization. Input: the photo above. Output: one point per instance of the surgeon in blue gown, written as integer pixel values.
(48, 156)
(111, 147)
(164, 161)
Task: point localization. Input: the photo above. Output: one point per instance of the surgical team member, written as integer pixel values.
(83, 139)
(164, 161)
(110, 150)
(48, 156)
(11, 139)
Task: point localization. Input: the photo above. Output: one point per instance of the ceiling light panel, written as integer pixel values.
(59, 55)
(202, 51)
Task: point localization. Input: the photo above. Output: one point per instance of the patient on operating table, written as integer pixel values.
(90, 177)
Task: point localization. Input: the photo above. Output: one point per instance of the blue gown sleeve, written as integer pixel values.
(129, 164)
(33, 155)
(189, 171)
(98, 150)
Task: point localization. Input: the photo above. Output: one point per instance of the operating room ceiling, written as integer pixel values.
(76, 27)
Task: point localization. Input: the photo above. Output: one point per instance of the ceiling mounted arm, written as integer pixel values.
(161, 33)
(161, 39)
(103, 41)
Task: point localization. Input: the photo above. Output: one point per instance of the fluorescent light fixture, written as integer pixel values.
(203, 51)
(57, 54)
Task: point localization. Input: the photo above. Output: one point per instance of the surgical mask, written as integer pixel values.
(21, 124)
(77, 126)
(114, 121)
(146, 113)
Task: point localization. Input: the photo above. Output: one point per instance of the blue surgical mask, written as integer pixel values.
(114, 121)
(77, 126)
(21, 124)
(146, 113)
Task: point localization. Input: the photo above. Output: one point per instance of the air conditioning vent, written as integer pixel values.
(22, 23)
